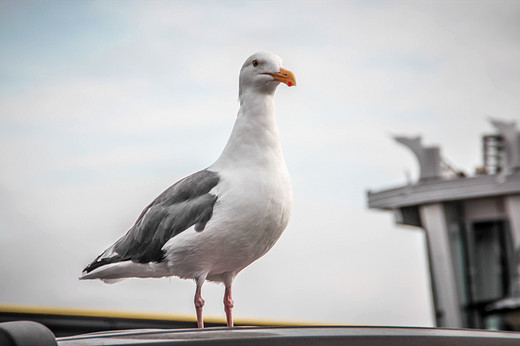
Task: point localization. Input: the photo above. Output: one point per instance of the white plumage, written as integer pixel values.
(214, 223)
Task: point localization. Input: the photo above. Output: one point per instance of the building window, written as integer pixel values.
(489, 253)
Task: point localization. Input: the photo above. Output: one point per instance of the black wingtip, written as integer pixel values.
(100, 262)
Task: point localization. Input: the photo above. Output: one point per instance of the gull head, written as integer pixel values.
(262, 72)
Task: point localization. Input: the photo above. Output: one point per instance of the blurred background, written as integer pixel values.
(103, 105)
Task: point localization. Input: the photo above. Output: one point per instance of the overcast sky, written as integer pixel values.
(103, 105)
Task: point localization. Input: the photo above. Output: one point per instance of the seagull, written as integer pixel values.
(212, 224)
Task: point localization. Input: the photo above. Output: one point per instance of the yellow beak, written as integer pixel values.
(284, 76)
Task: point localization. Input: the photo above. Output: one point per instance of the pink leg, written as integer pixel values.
(199, 303)
(228, 306)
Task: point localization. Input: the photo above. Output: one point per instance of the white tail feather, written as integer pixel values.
(114, 272)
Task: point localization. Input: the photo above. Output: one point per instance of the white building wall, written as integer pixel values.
(446, 292)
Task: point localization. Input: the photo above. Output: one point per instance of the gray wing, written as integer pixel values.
(184, 204)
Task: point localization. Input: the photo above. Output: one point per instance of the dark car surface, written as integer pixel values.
(32, 333)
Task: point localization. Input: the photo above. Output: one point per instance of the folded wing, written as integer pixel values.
(185, 204)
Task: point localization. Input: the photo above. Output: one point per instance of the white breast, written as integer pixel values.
(251, 213)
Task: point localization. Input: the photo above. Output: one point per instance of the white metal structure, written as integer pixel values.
(472, 226)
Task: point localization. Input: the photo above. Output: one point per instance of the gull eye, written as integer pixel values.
(255, 63)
